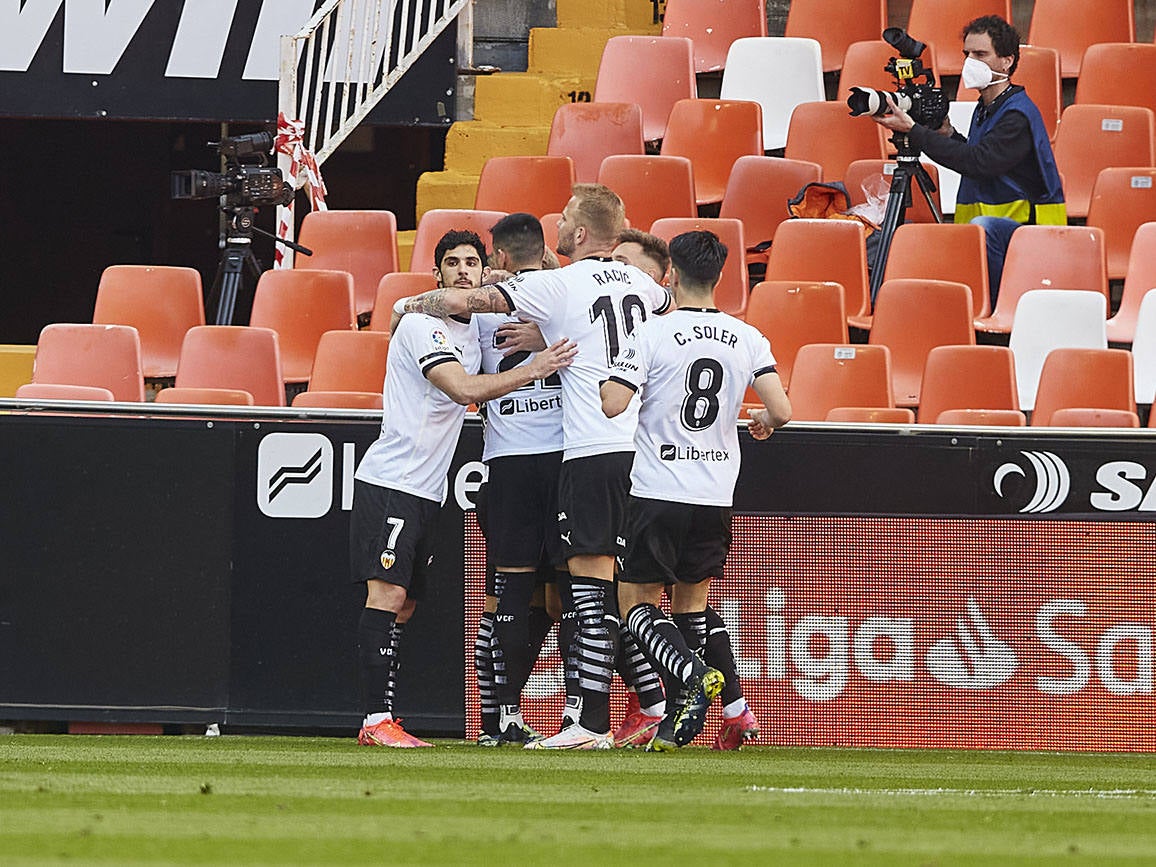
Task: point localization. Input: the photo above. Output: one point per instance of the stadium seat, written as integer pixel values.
(712, 134)
(350, 361)
(651, 187)
(1118, 73)
(960, 113)
(400, 284)
(829, 375)
(301, 306)
(1038, 73)
(911, 318)
(1084, 378)
(525, 184)
(1072, 26)
(550, 236)
(836, 25)
(339, 399)
(103, 356)
(435, 223)
(1084, 416)
(1144, 350)
(1139, 279)
(1095, 137)
(1123, 199)
(364, 243)
(233, 356)
(988, 417)
(823, 133)
(1047, 257)
(824, 251)
(210, 396)
(1049, 319)
(864, 62)
(588, 132)
(942, 251)
(872, 415)
(161, 302)
(967, 377)
(654, 72)
(940, 24)
(778, 73)
(730, 295)
(757, 193)
(879, 173)
(56, 391)
(791, 314)
(712, 27)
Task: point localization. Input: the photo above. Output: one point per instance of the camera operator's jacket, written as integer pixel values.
(1000, 196)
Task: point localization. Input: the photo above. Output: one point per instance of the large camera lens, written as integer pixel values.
(197, 184)
(867, 100)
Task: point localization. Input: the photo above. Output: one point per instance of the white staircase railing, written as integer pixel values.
(337, 67)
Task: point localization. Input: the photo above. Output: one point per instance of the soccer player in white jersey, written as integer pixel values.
(598, 303)
(692, 368)
(400, 483)
(517, 504)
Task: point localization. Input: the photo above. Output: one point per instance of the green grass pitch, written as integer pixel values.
(232, 799)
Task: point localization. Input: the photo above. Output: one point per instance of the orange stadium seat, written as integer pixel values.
(757, 193)
(1072, 26)
(843, 259)
(864, 62)
(651, 187)
(1123, 199)
(301, 306)
(1048, 319)
(967, 377)
(233, 357)
(350, 361)
(550, 236)
(654, 72)
(1118, 73)
(1086, 378)
(1038, 73)
(823, 133)
(730, 295)
(161, 302)
(588, 132)
(339, 399)
(400, 284)
(791, 314)
(911, 318)
(836, 25)
(712, 27)
(942, 251)
(872, 415)
(864, 171)
(989, 417)
(1094, 137)
(1140, 278)
(939, 23)
(434, 223)
(364, 243)
(828, 375)
(210, 396)
(533, 185)
(103, 356)
(1087, 417)
(712, 134)
(55, 391)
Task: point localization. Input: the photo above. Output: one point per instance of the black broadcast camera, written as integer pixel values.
(248, 179)
(926, 103)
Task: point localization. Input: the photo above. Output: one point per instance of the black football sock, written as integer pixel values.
(596, 651)
(568, 643)
(512, 632)
(663, 641)
(484, 666)
(540, 625)
(375, 655)
(719, 655)
(641, 674)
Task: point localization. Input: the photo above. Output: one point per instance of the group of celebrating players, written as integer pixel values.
(613, 453)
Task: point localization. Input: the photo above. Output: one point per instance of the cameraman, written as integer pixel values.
(1009, 175)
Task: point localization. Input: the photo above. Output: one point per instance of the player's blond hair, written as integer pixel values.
(599, 210)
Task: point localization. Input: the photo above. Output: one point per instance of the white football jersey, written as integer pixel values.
(692, 368)
(527, 421)
(597, 303)
(420, 424)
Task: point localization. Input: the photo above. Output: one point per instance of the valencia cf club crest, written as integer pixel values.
(388, 558)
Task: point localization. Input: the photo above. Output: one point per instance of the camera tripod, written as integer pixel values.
(907, 166)
(238, 262)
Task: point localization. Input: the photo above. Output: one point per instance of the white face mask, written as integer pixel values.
(977, 75)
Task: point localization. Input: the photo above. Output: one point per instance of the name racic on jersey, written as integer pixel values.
(692, 368)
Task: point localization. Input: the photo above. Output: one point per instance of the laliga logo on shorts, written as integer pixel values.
(295, 475)
(1052, 481)
(973, 658)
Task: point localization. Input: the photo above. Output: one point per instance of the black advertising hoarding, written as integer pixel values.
(208, 60)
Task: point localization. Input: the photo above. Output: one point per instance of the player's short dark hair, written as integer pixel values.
(652, 245)
(1005, 39)
(455, 238)
(699, 257)
(520, 235)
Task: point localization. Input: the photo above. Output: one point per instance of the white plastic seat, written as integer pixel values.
(777, 72)
(1144, 349)
(1048, 319)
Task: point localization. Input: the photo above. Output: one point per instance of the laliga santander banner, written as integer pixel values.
(988, 634)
